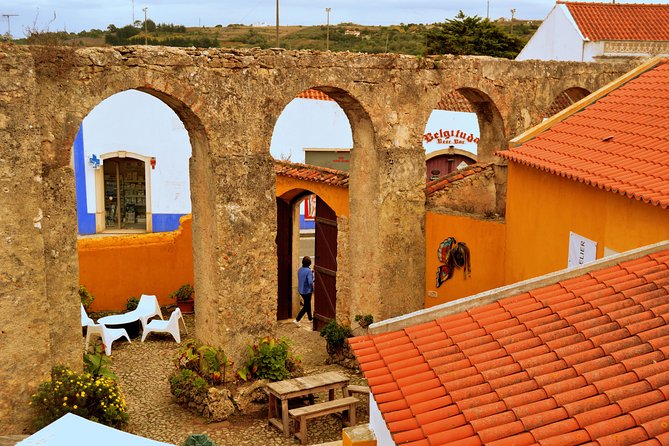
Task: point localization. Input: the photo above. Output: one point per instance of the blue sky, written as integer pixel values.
(77, 15)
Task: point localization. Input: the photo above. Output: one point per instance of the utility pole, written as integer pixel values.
(278, 44)
(9, 29)
(513, 16)
(327, 38)
(133, 12)
(145, 29)
(487, 14)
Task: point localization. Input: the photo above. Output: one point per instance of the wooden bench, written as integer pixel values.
(364, 390)
(302, 414)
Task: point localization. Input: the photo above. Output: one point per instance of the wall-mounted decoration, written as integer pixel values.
(452, 254)
(94, 161)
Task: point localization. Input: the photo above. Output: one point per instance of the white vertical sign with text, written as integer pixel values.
(581, 250)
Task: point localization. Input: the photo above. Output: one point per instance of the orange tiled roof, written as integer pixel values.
(619, 143)
(607, 21)
(311, 173)
(450, 178)
(314, 94)
(455, 101)
(583, 360)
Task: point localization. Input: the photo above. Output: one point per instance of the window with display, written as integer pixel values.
(125, 194)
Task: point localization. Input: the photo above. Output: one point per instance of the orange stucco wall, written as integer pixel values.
(335, 197)
(485, 240)
(542, 208)
(115, 268)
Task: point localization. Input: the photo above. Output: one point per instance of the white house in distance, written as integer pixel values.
(588, 32)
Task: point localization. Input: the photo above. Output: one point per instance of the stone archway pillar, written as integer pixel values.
(387, 229)
(235, 248)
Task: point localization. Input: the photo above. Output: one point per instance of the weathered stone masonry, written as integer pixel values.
(229, 102)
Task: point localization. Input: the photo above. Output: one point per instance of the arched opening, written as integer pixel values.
(491, 125)
(344, 137)
(451, 136)
(464, 128)
(322, 249)
(131, 166)
(132, 175)
(565, 99)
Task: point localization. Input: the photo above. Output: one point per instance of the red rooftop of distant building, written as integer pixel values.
(621, 21)
(619, 143)
(582, 361)
(308, 172)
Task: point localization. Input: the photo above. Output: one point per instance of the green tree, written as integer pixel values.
(473, 36)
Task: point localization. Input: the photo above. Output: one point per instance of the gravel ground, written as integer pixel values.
(143, 369)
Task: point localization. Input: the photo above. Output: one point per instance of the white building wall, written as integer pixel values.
(558, 38)
(309, 123)
(137, 122)
(465, 124)
(378, 424)
(592, 49)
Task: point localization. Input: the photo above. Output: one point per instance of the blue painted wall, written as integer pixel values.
(85, 220)
(165, 222)
(307, 224)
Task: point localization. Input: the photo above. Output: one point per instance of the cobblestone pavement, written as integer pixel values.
(143, 369)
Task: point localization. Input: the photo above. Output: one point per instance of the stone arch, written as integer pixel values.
(60, 231)
(491, 124)
(565, 99)
(357, 241)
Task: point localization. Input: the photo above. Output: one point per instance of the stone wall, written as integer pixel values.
(229, 101)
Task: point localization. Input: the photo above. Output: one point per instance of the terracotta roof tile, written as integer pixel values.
(444, 181)
(617, 143)
(550, 366)
(311, 173)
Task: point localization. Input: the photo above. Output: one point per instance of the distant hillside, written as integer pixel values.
(402, 39)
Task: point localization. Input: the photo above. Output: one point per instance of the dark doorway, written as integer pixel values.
(325, 265)
(124, 193)
(284, 249)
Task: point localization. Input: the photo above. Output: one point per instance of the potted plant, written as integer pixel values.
(184, 297)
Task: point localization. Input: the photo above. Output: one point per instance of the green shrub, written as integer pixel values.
(186, 380)
(132, 303)
(96, 398)
(183, 294)
(364, 320)
(86, 297)
(97, 364)
(335, 335)
(206, 361)
(199, 440)
(269, 358)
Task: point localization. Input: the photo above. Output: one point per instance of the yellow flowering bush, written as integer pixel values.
(95, 397)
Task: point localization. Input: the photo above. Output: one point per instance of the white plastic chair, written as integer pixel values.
(147, 308)
(170, 326)
(108, 335)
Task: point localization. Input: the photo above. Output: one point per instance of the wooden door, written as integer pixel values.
(325, 265)
(284, 250)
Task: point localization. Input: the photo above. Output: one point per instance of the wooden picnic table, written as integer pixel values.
(299, 387)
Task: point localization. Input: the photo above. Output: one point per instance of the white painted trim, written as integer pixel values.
(570, 17)
(378, 425)
(100, 216)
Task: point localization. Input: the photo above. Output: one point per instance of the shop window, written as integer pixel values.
(124, 194)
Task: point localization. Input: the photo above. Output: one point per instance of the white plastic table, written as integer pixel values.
(130, 321)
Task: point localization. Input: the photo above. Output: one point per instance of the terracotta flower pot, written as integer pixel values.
(186, 307)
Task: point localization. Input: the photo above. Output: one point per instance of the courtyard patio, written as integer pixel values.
(143, 370)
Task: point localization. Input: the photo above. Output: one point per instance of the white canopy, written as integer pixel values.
(73, 430)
